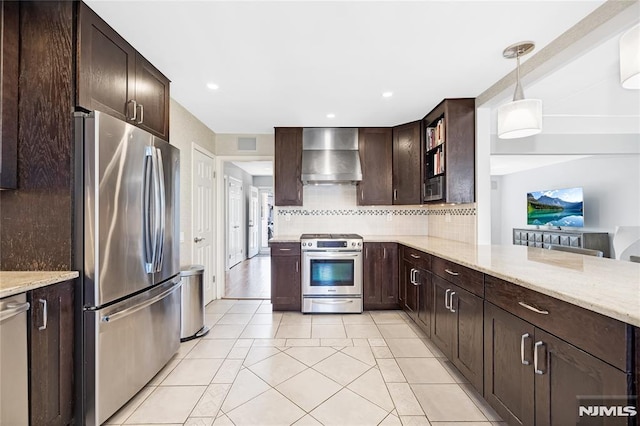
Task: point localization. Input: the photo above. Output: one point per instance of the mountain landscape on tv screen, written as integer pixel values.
(543, 209)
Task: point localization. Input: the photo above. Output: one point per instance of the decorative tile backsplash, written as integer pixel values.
(333, 209)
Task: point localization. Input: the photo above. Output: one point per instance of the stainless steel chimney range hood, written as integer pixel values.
(330, 155)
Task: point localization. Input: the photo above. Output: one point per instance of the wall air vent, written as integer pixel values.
(246, 144)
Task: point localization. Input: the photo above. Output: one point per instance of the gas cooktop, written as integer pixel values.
(330, 237)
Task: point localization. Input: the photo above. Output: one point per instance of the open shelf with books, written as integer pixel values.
(449, 152)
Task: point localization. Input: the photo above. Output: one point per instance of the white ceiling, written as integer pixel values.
(291, 63)
(256, 168)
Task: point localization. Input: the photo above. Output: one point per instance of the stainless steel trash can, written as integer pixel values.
(192, 306)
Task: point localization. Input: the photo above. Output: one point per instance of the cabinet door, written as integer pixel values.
(371, 289)
(410, 289)
(389, 275)
(425, 300)
(106, 67)
(285, 283)
(376, 147)
(380, 278)
(51, 354)
(287, 167)
(152, 98)
(407, 164)
(565, 373)
(467, 336)
(9, 46)
(442, 320)
(508, 382)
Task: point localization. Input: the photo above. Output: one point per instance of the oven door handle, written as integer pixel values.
(332, 302)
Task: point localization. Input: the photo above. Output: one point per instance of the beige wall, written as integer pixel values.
(185, 130)
(227, 143)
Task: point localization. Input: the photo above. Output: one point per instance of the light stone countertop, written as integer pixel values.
(606, 286)
(15, 282)
(285, 239)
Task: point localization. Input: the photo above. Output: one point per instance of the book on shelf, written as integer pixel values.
(435, 135)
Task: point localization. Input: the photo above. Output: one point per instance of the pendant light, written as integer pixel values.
(630, 58)
(521, 117)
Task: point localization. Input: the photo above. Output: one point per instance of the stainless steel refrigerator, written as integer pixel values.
(128, 250)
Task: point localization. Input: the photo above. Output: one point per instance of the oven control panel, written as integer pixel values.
(332, 245)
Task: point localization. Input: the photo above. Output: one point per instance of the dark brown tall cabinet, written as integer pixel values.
(288, 166)
(449, 152)
(285, 277)
(380, 277)
(51, 328)
(113, 77)
(9, 37)
(407, 164)
(376, 158)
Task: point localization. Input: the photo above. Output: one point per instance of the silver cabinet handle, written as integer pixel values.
(415, 256)
(141, 114)
(534, 309)
(361, 194)
(536, 366)
(412, 279)
(285, 249)
(522, 359)
(384, 252)
(197, 240)
(366, 253)
(451, 302)
(450, 272)
(446, 299)
(417, 282)
(297, 266)
(395, 194)
(45, 314)
(134, 116)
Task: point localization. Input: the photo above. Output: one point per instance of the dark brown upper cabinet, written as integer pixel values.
(114, 78)
(9, 36)
(287, 166)
(407, 164)
(376, 158)
(449, 152)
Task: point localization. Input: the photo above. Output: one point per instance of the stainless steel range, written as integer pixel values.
(331, 273)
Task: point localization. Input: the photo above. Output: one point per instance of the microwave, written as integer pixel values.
(434, 189)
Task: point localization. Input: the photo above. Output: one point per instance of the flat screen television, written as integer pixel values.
(556, 207)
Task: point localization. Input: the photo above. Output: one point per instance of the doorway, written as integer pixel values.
(234, 222)
(203, 217)
(266, 219)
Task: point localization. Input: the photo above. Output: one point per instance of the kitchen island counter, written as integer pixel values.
(15, 282)
(606, 286)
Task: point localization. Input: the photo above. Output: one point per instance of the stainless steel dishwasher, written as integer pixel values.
(14, 404)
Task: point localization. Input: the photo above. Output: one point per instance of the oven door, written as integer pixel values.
(326, 273)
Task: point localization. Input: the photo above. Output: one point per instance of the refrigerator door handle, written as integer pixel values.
(162, 210)
(156, 209)
(147, 215)
(130, 310)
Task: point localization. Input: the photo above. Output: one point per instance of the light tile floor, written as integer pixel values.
(257, 367)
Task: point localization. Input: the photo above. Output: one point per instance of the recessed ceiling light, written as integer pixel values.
(212, 86)
(387, 94)
(331, 115)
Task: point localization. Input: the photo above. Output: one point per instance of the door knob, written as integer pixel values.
(197, 240)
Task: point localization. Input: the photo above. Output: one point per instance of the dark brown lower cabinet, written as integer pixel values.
(457, 328)
(51, 326)
(535, 378)
(415, 286)
(380, 277)
(285, 277)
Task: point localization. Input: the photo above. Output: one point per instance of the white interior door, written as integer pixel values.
(266, 219)
(203, 219)
(253, 224)
(234, 215)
